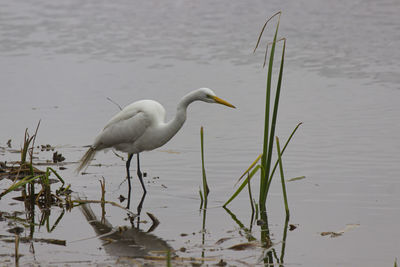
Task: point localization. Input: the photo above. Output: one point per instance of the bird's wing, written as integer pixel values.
(125, 127)
(124, 114)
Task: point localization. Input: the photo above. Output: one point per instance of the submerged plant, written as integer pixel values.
(31, 175)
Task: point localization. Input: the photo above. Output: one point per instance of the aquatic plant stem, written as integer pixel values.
(206, 189)
(275, 114)
(283, 150)
(282, 177)
(250, 196)
(252, 171)
(16, 254)
(285, 229)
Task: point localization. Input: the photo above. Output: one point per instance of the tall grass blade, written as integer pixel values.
(254, 171)
(20, 183)
(206, 190)
(267, 146)
(249, 168)
(282, 176)
(274, 116)
(283, 150)
(250, 197)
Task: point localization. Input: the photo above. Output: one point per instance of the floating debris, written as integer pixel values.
(341, 232)
(244, 246)
(46, 147)
(58, 157)
(332, 234)
(296, 178)
(222, 240)
(221, 263)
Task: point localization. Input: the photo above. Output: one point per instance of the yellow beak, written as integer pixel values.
(223, 102)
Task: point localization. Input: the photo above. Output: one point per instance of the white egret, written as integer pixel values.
(141, 126)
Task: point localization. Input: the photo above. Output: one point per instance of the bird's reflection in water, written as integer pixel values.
(125, 241)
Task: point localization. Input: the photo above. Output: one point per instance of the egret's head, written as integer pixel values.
(207, 95)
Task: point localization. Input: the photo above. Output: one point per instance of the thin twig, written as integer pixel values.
(115, 103)
(118, 155)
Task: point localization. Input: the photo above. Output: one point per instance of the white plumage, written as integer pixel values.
(141, 126)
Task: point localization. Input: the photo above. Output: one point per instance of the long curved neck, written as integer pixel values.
(173, 126)
(180, 117)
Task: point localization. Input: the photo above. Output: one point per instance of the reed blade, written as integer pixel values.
(283, 150)
(254, 171)
(268, 133)
(249, 169)
(22, 182)
(278, 148)
(206, 189)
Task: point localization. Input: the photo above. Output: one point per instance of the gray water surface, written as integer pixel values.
(59, 61)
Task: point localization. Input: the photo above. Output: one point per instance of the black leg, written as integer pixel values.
(139, 209)
(139, 173)
(128, 163)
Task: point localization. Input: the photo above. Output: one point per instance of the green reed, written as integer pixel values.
(282, 177)
(31, 174)
(206, 190)
(269, 127)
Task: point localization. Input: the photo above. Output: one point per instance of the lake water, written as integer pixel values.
(59, 61)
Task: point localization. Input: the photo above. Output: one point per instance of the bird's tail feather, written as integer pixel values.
(86, 159)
